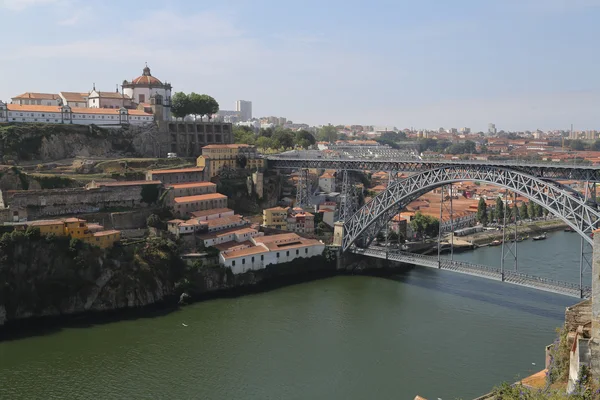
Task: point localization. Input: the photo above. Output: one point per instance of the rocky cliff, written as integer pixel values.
(51, 276)
(49, 142)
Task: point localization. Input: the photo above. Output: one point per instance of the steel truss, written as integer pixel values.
(447, 206)
(349, 197)
(303, 189)
(575, 211)
(539, 170)
(509, 245)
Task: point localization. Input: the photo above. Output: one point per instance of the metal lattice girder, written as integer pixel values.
(513, 277)
(303, 189)
(539, 170)
(561, 203)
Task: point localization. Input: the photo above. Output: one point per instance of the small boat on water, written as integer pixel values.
(569, 229)
(540, 237)
(496, 243)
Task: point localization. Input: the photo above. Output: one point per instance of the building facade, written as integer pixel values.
(175, 176)
(269, 250)
(39, 99)
(217, 157)
(275, 218)
(244, 108)
(69, 115)
(185, 205)
(145, 88)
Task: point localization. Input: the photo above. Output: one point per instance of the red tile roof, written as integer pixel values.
(200, 197)
(38, 96)
(190, 185)
(176, 171)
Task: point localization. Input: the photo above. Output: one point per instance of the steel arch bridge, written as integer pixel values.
(362, 227)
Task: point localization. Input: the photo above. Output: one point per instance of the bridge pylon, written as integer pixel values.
(303, 190)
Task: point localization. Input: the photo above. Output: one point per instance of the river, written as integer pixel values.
(428, 332)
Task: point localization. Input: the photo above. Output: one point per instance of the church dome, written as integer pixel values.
(146, 79)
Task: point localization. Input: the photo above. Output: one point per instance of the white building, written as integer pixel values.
(244, 108)
(147, 89)
(268, 250)
(68, 115)
(74, 99)
(229, 235)
(98, 99)
(327, 182)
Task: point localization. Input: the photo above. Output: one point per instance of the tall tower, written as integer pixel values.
(244, 108)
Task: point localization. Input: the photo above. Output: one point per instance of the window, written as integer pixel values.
(233, 263)
(277, 255)
(252, 258)
(262, 257)
(287, 253)
(243, 261)
(297, 252)
(305, 251)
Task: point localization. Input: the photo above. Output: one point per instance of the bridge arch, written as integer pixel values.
(559, 201)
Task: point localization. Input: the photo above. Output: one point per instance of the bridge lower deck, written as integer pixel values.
(482, 271)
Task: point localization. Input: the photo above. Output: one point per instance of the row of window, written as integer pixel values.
(75, 116)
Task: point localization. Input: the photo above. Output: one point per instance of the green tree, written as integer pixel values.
(393, 237)
(285, 138)
(263, 142)
(482, 211)
(153, 221)
(180, 105)
(424, 225)
(577, 145)
(328, 133)
(499, 211)
(244, 135)
(523, 213)
(539, 211)
(266, 132)
(212, 106)
(531, 209)
(304, 139)
(514, 212)
(380, 237)
(150, 193)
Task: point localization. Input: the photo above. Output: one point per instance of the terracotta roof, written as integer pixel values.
(176, 171)
(215, 211)
(111, 95)
(38, 96)
(74, 220)
(191, 185)
(128, 183)
(275, 209)
(74, 96)
(74, 110)
(230, 245)
(212, 223)
(34, 108)
(224, 232)
(327, 176)
(105, 233)
(45, 222)
(281, 237)
(245, 252)
(146, 80)
(200, 197)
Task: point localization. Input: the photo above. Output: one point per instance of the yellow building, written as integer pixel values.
(46, 227)
(275, 218)
(104, 239)
(78, 229)
(216, 157)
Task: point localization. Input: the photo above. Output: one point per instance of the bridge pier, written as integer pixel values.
(595, 341)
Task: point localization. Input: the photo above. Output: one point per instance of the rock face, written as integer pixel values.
(59, 276)
(49, 142)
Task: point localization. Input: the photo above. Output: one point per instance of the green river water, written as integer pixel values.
(428, 332)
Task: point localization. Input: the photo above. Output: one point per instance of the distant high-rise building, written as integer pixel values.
(245, 109)
(465, 130)
(492, 129)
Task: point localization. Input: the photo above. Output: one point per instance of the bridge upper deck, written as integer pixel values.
(544, 170)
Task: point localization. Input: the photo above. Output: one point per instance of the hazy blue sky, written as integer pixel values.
(523, 64)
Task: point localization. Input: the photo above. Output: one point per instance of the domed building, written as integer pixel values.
(147, 90)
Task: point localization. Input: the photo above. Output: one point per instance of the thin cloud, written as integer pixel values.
(20, 5)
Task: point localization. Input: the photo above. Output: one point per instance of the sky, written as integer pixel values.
(521, 64)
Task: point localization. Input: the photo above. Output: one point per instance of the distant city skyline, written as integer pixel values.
(520, 64)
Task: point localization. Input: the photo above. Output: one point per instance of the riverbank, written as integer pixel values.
(525, 229)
